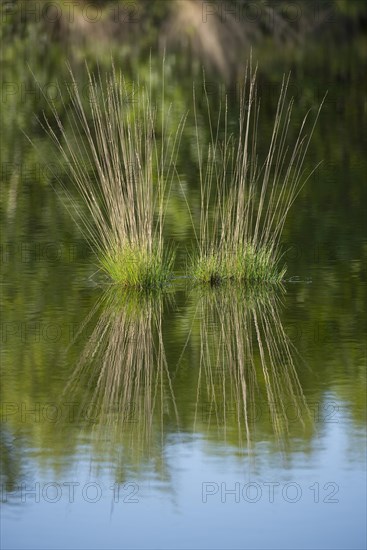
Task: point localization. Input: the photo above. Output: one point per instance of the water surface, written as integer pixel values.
(217, 418)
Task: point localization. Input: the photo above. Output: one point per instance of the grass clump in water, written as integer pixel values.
(121, 154)
(245, 264)
(245, 203)
(139, 268)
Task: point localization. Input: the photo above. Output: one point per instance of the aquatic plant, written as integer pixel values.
(245, 203)
(121, 155)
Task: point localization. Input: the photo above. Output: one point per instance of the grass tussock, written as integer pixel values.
(121, 155)
(245, 264)
(138, 266)
(245, 203)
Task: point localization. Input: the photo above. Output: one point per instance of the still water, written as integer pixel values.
(203, 418)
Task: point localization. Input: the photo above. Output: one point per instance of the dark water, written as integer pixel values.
(218, 418)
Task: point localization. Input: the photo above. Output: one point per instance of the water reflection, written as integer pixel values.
(11, 463)
(244, 382)
(247, 372)
(121, 382)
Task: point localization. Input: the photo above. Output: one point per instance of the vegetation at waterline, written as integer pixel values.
(122, 171)
(241, 240)
(122, 161)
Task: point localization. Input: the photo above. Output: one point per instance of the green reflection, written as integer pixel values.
(244, 389)
(122, 384)
(247, 381)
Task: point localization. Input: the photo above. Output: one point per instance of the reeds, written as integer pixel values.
(122, 152)
(121, 156)
(241, 227)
